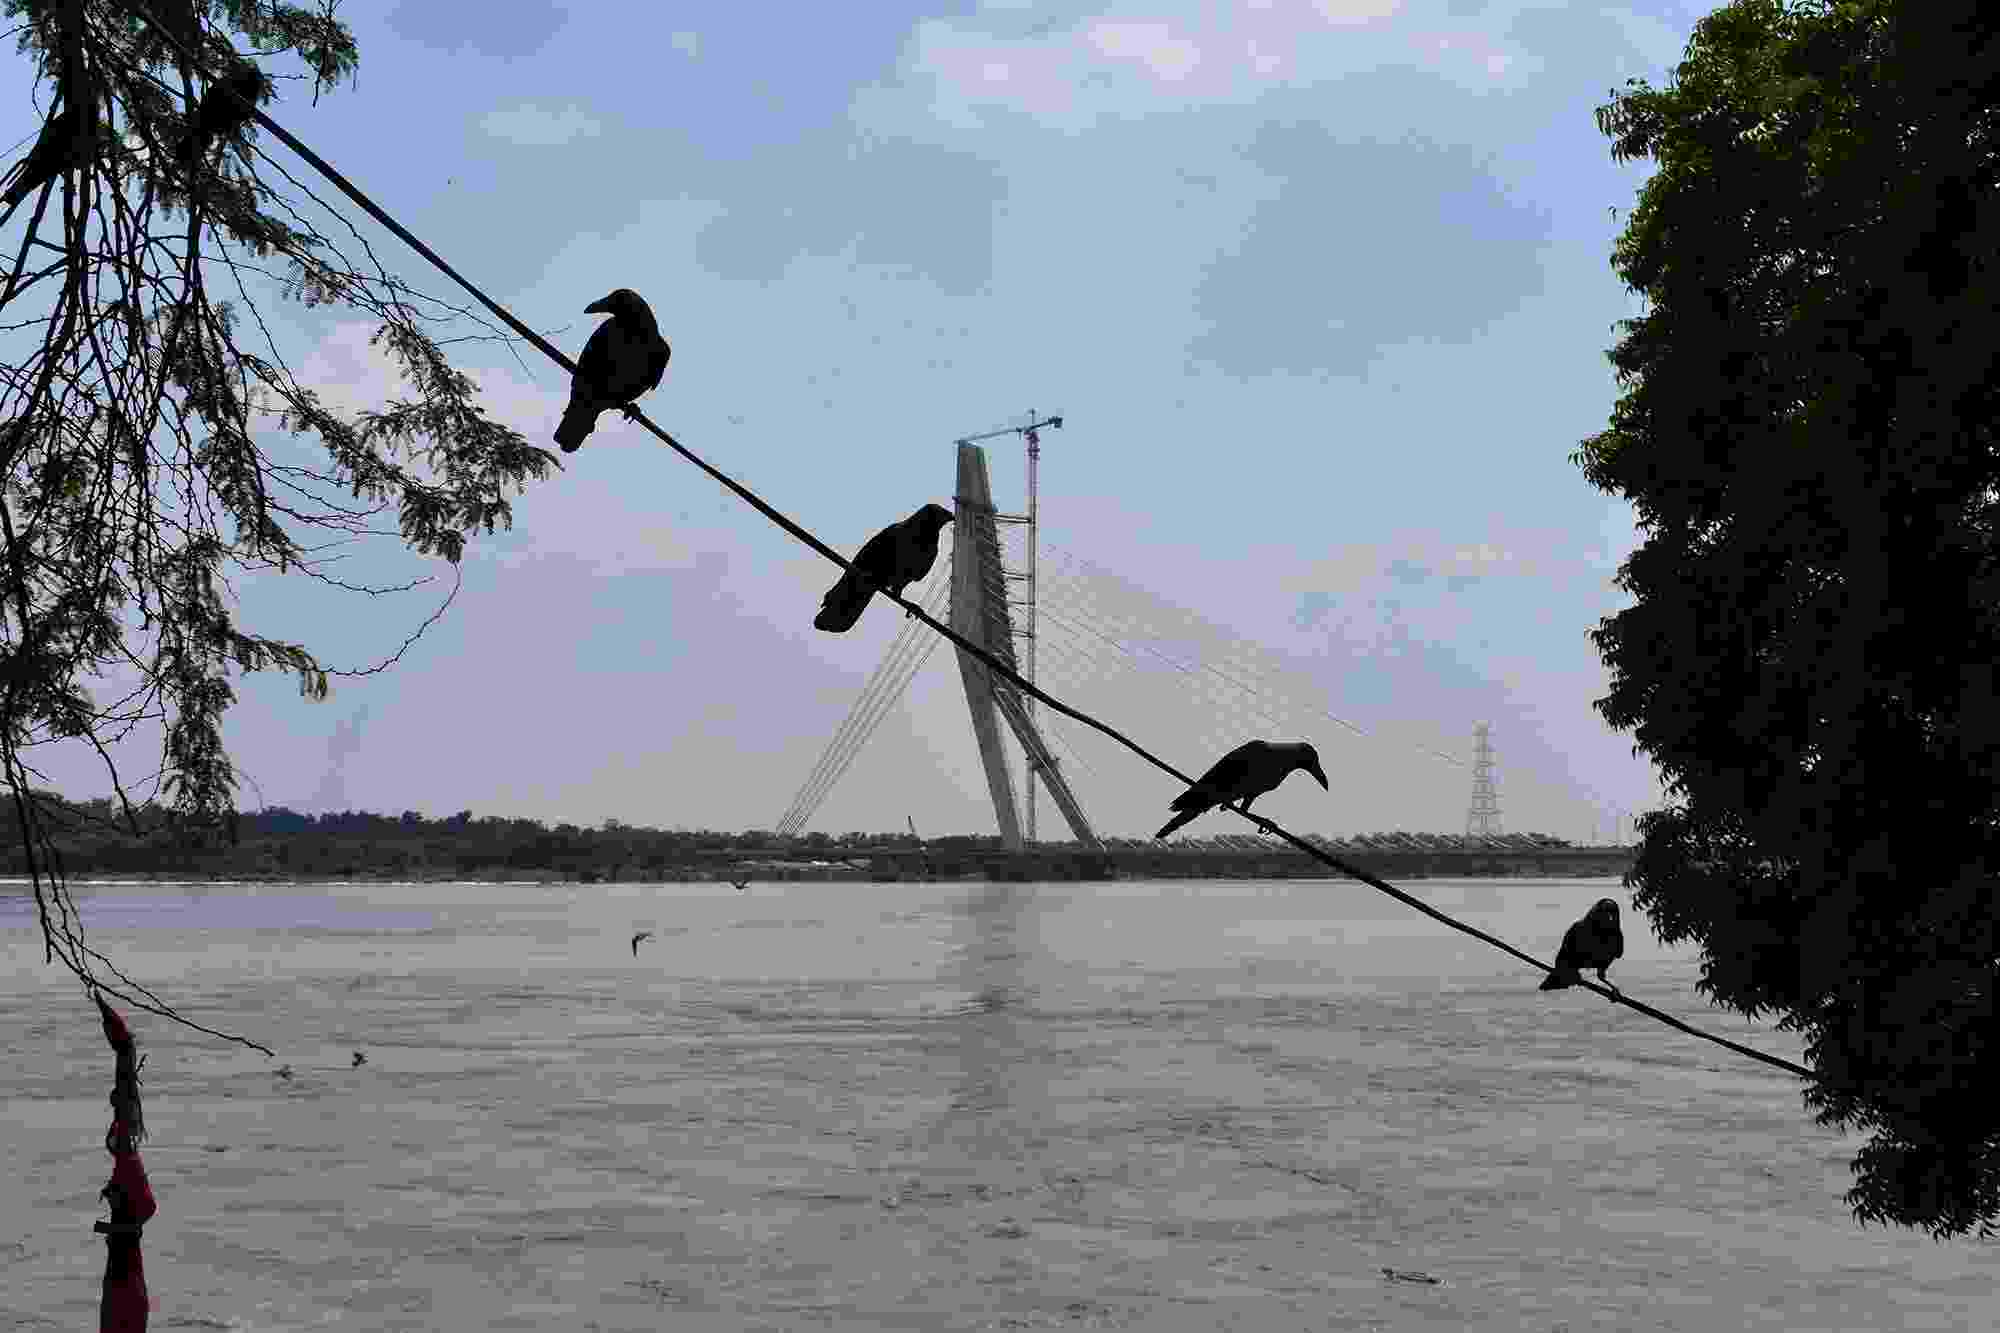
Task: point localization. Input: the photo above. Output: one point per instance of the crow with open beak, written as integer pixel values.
(891, 561)
(1241, 776)
(1594, 942)
(625, 357)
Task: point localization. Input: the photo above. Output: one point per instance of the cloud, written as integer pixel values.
(510, 31)
(1363, 246)
(540, 127)
(878, 202)
(1118, 64)
(1167, 56)
(688, 44)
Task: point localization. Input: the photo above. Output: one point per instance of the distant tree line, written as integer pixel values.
(96, 838)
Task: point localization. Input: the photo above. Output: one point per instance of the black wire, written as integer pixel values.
(993, 663)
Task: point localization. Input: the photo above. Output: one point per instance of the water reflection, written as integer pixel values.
(994, 934)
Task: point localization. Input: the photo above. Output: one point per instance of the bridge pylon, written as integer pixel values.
(980, 611)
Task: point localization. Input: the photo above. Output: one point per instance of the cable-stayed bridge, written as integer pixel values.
(1088, 634)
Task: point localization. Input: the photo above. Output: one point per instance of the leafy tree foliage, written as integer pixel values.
(1806, 431)
(145, 403)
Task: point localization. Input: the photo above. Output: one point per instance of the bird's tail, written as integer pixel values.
(1560, 979)
(843, 605)
(575, 427)
(1183, 818)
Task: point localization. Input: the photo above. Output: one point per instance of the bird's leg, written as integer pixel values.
(631, 410)
(1607, 983)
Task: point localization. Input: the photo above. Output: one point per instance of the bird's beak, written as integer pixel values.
(601, 306)
(1319, 774)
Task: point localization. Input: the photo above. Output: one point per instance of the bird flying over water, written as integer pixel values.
(741, 884)
(625, 357)
(642, 935)
(892, 560)
(226, 107)
(1241, 776)
(1594, 942)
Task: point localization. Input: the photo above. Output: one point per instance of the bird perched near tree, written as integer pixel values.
(890, 561)
(225, 108)
(1595, 942)
(69, 138)
(625, 357)
(1242, 775)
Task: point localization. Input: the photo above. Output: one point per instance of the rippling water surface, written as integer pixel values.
(1155, 1105)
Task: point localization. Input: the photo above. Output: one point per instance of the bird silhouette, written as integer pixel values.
(642, 935)
(359, 1060)
(625, 357)
(69, 138)
(741, 884)
(284, 1071)
(891, 561)
(227, 106)
(1241, 776)
(1595, 942)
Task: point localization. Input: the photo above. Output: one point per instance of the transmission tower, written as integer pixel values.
(1482, 820)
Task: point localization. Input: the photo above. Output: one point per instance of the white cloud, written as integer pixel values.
(1169, 57)
(1117, 64)
(688, 44)
(538, 126)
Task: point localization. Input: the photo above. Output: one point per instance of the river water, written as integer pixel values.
(1153, 1105)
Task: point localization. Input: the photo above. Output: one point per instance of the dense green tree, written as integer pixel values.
(1806, 432)
(145, 403)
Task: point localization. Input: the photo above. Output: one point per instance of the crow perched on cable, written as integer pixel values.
(1595, 942)
(1242, 775)
(226, 107)
(625, 357)
(891, 561)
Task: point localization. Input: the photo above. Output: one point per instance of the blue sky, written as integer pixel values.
(1322, 291)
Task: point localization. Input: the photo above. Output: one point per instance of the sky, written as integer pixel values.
(1321, 289)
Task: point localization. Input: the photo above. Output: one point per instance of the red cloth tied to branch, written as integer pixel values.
(125, 1304)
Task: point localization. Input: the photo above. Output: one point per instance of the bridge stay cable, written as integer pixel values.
(906, 656)
(993, 662)
(1269, 702)
(894, 662)
(855, 729)
(1241, 655)
(1258, 701)
(884, 704)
